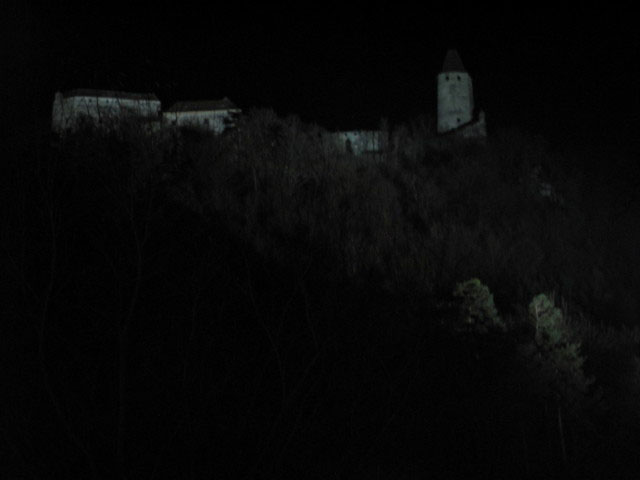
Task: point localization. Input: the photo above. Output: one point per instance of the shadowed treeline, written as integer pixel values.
(259, 304)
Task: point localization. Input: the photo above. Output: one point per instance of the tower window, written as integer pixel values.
(447, 77)
(458, 77)
(458, 120)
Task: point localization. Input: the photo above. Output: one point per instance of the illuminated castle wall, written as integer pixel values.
(455, 100)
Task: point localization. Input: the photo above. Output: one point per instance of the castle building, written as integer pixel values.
(211, 115)
(103, 108)
(359, 142)
(455, 100)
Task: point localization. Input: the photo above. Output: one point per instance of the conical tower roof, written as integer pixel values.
(452, 62)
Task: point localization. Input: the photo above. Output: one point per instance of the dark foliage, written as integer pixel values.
(259, 305)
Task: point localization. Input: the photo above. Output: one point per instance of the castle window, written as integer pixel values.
(458, 77)
(447, 77)
(458, 120)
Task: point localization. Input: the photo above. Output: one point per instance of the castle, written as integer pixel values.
(106, 108)
(455, 112)
(102, 108)
(455, 101)
(456, 118)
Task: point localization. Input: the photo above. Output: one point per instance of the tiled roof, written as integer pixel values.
(452, 62)
(88, 92)
(202, 105)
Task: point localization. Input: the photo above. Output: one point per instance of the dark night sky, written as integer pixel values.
(566, 75)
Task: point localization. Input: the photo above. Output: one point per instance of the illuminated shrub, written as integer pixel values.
(553, 357)
(551, 330)
(476, 310)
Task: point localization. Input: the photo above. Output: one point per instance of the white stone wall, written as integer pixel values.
(58, 115)
(69, 112)
(212, 120)
(475, 129)
(455, 100)
(359, 142)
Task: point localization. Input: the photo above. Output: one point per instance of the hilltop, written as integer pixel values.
(256, 304)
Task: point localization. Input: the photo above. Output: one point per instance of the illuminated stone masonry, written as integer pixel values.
(456, 114)
(104, 108)
(107, 109)
(211, 115)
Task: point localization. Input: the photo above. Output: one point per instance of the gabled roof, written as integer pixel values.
(452, 62)
(89, 92)
(202, 105)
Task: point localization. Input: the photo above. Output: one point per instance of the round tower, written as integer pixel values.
(455, 94)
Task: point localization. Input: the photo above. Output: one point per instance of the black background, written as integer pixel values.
(567, 75)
